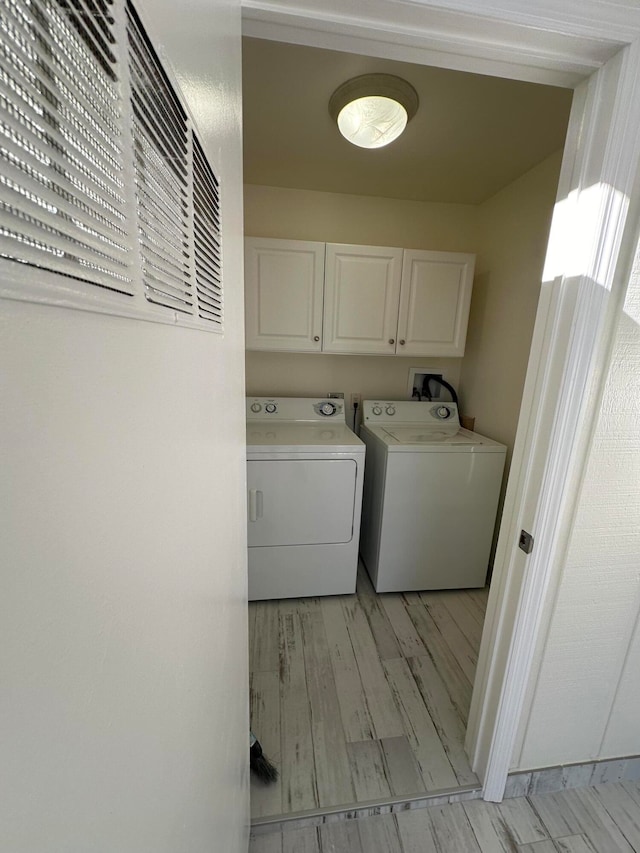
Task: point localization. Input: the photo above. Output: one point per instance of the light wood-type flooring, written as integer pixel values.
(362, 697)
(603, 819)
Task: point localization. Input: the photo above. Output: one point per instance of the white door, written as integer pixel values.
(283, 294)
(300, 501)
(434, 303)
(362, 291)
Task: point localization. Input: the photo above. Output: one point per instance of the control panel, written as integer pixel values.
(423, 412)
(295, 409)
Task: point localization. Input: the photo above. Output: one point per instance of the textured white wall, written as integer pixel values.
(585, 691)
(341, 218)
(123, 720)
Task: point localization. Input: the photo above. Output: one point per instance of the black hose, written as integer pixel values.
(426, 392)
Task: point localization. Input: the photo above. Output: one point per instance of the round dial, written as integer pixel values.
(443, 412)
(256, 407)
(390, 410)
(376, 410)
(327, 409)
(271, 408)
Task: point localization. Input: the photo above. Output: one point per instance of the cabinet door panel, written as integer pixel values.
(434, 302)
(283, 294)
(361, 295)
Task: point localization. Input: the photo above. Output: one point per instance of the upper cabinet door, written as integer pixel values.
(361, 297)
(434, 303)
(283, 294)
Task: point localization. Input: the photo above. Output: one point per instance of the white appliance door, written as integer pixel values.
(300, 501)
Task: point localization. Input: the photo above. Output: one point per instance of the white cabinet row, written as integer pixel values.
(303, 296)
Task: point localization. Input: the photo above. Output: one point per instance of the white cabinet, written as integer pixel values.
(283, 294)
(307, 297)
(435, 297)
(361, 293)
(395, 301)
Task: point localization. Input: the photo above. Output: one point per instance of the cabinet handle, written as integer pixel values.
(391, 341)
(316, 338)
(401, 343)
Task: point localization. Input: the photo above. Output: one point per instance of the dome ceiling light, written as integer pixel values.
(372, 110)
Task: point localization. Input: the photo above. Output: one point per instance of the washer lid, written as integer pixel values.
(425, 435)
(415, 438)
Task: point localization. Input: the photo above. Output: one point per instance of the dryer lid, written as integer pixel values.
(280, 436)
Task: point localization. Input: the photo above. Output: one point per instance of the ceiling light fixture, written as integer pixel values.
(372, 110)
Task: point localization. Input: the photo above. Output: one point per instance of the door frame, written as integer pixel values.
(594, 48)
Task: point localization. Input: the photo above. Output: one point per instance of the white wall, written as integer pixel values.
(513, 228)
(585, 691)
(341, 218)
(367, 220)
(123, 604)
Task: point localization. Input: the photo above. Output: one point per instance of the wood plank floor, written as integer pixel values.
(603, 819)
(362, 697)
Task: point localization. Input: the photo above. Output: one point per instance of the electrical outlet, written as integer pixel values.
(356, 399)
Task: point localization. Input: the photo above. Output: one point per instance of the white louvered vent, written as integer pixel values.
(80, 115)
(61, 184)
(206, 227)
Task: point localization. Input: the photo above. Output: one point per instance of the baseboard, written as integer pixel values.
(549, 779)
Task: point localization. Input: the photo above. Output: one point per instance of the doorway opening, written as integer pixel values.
(398, 662)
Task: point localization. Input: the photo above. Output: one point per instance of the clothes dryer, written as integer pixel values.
(305, 472)
(430, 499)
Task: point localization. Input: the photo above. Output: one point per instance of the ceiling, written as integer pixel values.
(472, 134)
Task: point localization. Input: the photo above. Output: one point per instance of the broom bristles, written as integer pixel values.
(260, 764)
(264, 769)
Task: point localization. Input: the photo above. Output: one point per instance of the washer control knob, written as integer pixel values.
(256, 407)
(390, 410)
(376, 410)
(443, 412)
(270, 408)
(327, 409)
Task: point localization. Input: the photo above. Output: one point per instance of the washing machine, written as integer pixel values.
(305, 471)
(430, 498)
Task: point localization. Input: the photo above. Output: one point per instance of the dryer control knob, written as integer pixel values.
(327, 409)
(271, 408)
(390, 410)
(443, 412)
(256, 407)
(376, 410)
